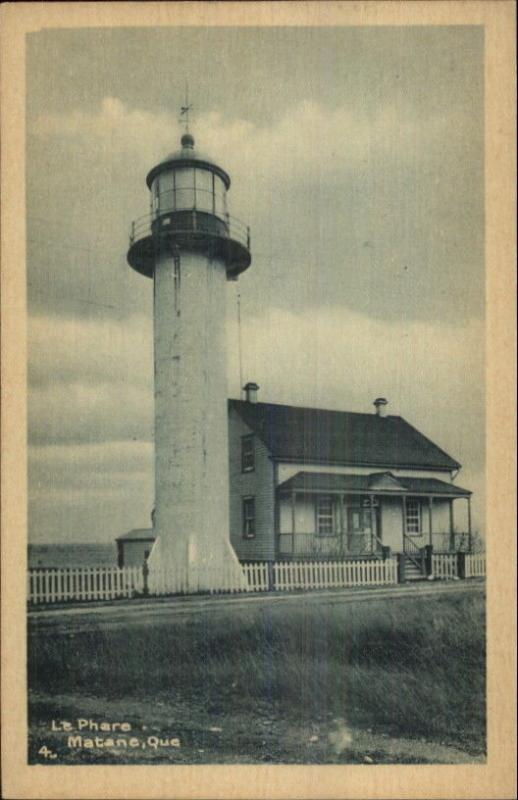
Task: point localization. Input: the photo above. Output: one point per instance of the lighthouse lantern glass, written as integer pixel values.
(187, 188)
(204, 191)
(165, 192)
(220, 197)
(185, 194)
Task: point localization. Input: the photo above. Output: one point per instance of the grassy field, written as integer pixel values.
(299, 684)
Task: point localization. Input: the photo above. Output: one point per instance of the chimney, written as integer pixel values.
(380, 404)
(251, 392)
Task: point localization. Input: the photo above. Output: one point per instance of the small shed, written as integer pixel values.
(134, 547)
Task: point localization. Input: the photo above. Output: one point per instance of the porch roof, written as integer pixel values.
(374, 483)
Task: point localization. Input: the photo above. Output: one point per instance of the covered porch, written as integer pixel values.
(327, 515)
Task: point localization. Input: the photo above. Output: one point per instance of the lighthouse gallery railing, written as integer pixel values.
(189, 222)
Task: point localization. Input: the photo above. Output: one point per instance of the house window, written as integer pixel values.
(248, 517)
(413, 516)
(325, 526)
(247, 453)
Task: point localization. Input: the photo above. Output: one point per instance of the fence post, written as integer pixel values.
(271, 580)
(385, 552)
(461, 564)
(422, 560)
(428, 553)
(401, 560)
(145, 575)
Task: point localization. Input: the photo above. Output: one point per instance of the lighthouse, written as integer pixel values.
(190, 246)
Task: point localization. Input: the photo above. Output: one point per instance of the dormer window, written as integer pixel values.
(247, 453)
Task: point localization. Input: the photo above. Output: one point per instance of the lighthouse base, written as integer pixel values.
(214, 569)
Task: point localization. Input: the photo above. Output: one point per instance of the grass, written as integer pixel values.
(413, 667)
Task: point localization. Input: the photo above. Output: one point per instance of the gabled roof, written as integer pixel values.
(138, 534)
(376, 482)
(313, 435)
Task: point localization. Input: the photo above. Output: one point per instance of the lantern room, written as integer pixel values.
(186, 181)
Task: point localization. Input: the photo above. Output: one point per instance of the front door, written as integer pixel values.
(361, 538)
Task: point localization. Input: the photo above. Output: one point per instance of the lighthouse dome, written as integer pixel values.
(187, 140)
(187, 156)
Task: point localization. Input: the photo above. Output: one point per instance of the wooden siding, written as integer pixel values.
(258, 484)
(133, 552)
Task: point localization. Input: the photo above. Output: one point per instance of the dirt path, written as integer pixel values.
(167, 609)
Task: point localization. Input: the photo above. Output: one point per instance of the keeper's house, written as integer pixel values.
(310, 483)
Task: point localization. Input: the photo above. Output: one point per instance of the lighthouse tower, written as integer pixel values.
(190, 246)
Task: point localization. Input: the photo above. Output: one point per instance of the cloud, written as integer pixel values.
(90, 351)
(116, 129)
(89, 492)
(90, 380)
(309, 144)
(382, 207)
(308, 139)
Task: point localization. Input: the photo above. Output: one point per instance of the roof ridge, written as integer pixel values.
(313, 408)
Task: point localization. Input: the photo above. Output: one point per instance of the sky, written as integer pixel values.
(356, 156)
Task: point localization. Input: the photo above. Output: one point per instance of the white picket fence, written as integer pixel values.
(109, 583)
(256, 576)
(475, 565)
(333, 574)
(444, 565)
(83, 583)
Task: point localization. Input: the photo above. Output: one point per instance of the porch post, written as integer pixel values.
(342, 526)
(293, 498)
(403, 498)
(430, 507)
(371, 501)
(452, 527)
(469, 521)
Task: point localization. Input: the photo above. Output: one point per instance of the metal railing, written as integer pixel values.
(412, 550)
(310, 544)
(444, 542)
(191, 221)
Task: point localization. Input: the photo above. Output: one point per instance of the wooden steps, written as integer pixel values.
(412, 572)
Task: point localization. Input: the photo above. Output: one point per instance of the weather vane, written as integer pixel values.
(184, 110)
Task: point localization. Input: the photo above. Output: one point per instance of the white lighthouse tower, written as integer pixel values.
(190, 246)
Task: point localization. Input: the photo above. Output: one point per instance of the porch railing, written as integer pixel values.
(445, 542)
(311, 545)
